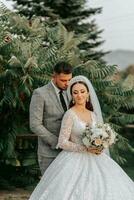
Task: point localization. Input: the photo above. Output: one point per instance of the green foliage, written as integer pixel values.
(76, 16)
(113, 98)
(28, 52)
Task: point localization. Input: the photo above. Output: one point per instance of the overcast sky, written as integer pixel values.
(117, 20)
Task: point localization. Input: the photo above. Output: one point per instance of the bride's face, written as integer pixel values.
(80, 94)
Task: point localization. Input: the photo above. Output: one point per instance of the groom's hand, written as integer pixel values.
(54, 143)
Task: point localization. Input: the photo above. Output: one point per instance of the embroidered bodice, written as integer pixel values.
(72, 128)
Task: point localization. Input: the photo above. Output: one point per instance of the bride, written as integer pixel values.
(80, 173)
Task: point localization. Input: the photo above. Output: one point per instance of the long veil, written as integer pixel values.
(93, 98)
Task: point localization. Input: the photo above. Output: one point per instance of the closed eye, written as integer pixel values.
(76, 92)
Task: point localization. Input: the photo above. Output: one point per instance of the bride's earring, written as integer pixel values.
(87, 99)
(73, 101)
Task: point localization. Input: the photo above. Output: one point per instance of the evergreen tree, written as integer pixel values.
(32, 8)
(28, 52)
(74, 16)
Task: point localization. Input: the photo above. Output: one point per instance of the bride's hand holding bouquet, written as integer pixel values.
(98, 137)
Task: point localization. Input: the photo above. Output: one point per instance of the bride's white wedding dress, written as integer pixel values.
(78, 175)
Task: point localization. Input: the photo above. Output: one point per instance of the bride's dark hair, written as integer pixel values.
(88, 104)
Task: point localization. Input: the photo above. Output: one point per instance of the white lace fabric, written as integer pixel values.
(76, 175)
(67, 141)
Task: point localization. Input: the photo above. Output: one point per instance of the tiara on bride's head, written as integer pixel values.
(77, 79)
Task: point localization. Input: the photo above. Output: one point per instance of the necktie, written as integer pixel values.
(62, 100)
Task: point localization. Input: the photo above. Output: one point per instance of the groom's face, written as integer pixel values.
(62, 80)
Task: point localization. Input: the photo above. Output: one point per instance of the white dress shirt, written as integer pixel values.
(57, 90)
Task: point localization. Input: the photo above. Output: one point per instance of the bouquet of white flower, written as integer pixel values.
(100, 136)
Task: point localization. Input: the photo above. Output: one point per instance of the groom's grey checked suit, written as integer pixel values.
(46, 113)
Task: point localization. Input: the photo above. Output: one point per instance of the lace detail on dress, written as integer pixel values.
(65, 134)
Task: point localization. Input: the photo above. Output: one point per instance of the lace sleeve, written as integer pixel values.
(64, 136)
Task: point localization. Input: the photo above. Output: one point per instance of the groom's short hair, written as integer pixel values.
(63, 67)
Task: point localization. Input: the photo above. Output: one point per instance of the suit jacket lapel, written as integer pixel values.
(54, 97)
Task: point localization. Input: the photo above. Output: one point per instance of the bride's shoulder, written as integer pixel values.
(69, 116)
(69, 112)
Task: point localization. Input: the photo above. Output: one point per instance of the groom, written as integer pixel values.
(47, 107)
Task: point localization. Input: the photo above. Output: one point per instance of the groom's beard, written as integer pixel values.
(62, 89)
